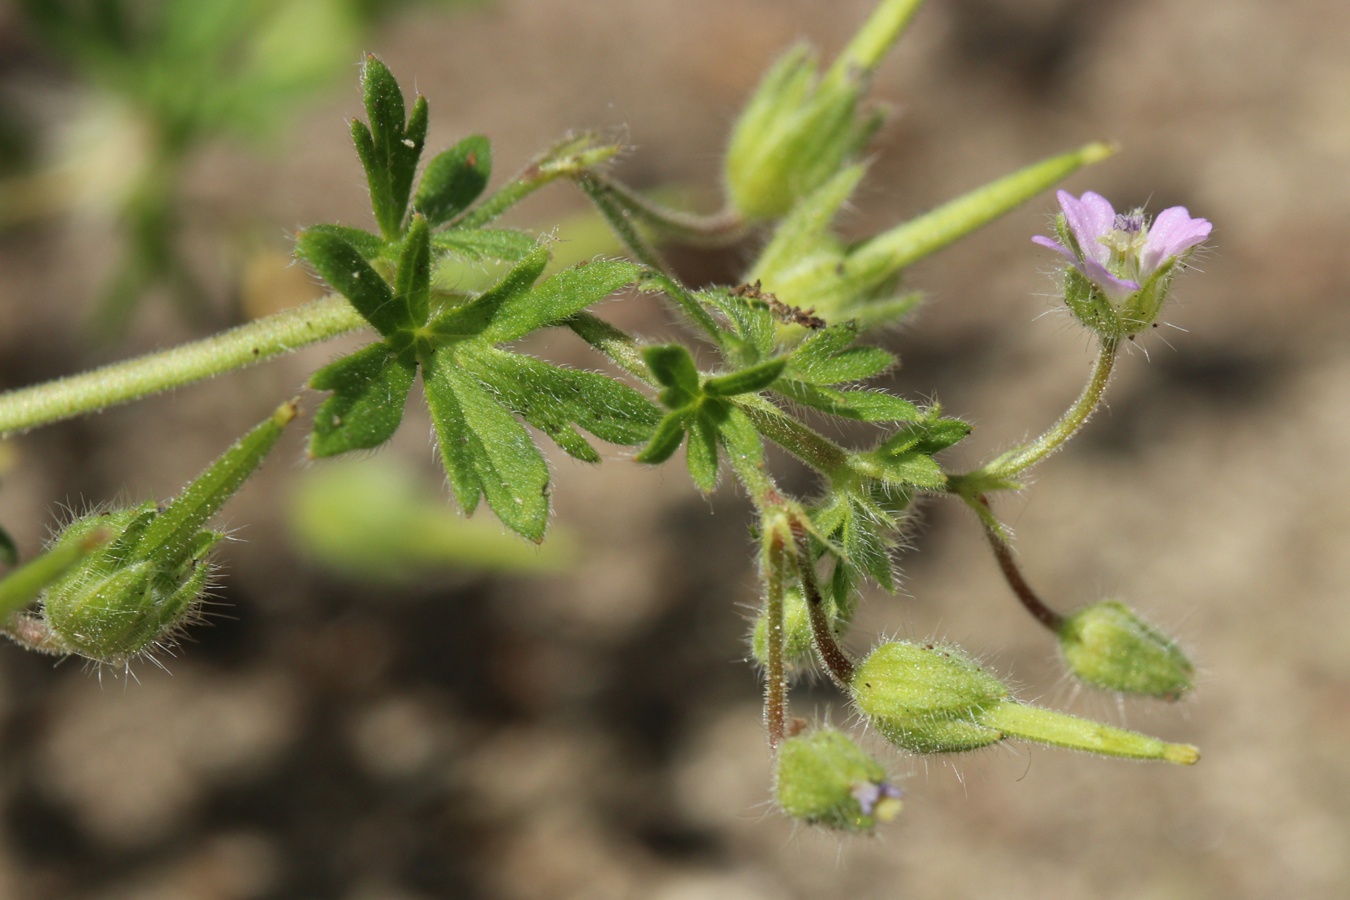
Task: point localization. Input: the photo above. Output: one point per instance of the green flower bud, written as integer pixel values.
(927, 698)
(799, 130)
(1108, 645)
(114, 606)
(826, 779)
(145, 581)
(933, 699)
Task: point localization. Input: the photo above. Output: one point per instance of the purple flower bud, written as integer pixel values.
(1120, 252)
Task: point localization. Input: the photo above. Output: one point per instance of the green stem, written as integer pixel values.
(620, 221)
(567, 159)
(1022, 458)
(717, 230)
(275, 335)
(686, 300)
(876, 37)
(809, 446)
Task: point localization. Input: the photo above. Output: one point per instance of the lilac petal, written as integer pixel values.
(1173, 232)
(1116, 288)
(1088, 218)
(1057, 247)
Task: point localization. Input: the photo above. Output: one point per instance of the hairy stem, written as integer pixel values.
(1007, 564)
(775, 676)
(1022, 458)
(808, 445)
(837, 662)
(275, 335)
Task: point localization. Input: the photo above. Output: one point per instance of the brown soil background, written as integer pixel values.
(596, 735)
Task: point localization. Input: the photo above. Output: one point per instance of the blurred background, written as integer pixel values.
(489, 720)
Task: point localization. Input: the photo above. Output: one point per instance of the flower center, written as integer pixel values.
(1125, 243)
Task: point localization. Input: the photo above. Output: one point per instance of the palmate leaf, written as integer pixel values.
(485, 450)
(370, 389)
(827, 357)
(554, 399)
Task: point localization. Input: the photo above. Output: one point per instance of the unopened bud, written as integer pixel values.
(146, 581)
(826, 779)
(927, 698)
(931, 698)
(1108, 645)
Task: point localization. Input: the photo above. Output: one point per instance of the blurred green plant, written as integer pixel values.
(166, 77)
(373, 520)
(774, 370)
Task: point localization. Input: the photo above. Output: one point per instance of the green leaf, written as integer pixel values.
(377, 177)
(478, 244)
(343, 267)
(929, 435)
(509, 468)
(673, 368)
(453, 438)
(412, 284)
(913, 468)
(370, 388)
(865, 406)
(739, 436)
(701, 453)
(858, 529)
(370, 246)
(454, 179)
(390, 147)
(825, 357)
(552, 399)
(667, 438)
(474, 318)
(747, 381)
(384, 105)
(753, 321)
(568, 292)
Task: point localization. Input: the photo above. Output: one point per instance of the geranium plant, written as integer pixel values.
(787, 346)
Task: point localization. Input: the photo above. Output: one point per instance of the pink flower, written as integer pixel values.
(1120, 252)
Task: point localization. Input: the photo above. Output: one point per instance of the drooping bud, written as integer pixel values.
(931, 698)
(1109, 646)
(138, 589)
(927, 698)
(824, 778)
